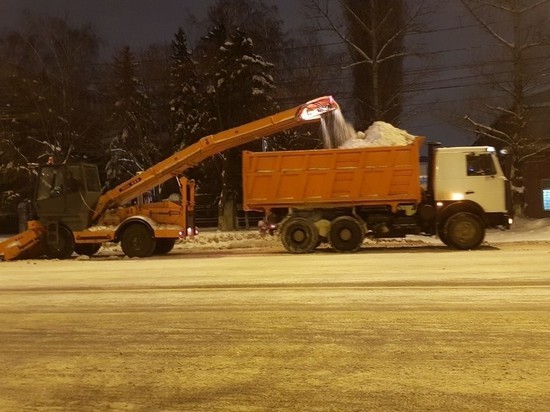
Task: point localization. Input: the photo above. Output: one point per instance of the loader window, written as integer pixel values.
(92, 179)
(50, 183)
(480, 165)
(73, 179)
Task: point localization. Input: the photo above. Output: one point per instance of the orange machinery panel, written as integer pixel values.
(332, 177)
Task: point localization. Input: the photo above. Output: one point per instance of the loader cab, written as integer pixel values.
(66, 194)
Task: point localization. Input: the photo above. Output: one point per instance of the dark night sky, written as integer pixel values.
(138, 23)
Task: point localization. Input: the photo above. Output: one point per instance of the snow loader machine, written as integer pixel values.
(71, 214)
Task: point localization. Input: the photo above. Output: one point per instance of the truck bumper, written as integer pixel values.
(502, 220)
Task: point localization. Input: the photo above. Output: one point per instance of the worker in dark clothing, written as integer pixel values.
(72, 184)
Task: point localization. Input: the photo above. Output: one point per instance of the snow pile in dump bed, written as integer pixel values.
(339, 133)
(379, 134)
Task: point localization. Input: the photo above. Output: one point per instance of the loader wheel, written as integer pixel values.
(464, 231)
(137, 241)
(346, 234)
(164, 246)
(299, 235)
(64, 247)
(87, 249)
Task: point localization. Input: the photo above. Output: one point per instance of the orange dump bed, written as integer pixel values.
(333, 177)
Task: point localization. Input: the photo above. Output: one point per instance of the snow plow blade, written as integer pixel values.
(26, 241)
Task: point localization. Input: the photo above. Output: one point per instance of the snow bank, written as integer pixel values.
(522, 230)
(229, 240)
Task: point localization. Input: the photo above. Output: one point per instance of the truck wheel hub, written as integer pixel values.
(299, 236)
(345, 234)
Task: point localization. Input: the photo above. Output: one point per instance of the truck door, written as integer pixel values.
(485, 182)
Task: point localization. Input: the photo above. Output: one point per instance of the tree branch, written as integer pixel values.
(489, 131)
(486, 25)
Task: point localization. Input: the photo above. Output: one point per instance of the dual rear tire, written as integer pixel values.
(301, 235)
(346, 234)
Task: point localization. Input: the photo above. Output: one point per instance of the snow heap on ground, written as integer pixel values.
(380, 134)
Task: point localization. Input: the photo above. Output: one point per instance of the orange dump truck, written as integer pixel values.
(340, 196)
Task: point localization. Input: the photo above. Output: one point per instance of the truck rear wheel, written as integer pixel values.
(464, 231)
(164, 245)
(299, 235)
(64, 247)
(137, 241)
(346, 234)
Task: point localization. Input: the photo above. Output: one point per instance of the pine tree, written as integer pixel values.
(240, 90)
(190, 119)
(131, 149)
(154, 74)
(244, 83)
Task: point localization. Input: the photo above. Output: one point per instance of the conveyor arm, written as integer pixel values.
(211, 145)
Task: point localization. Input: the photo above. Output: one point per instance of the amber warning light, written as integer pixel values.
(313, 109)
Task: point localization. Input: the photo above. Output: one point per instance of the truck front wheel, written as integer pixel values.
(442, 235)
(346, 234)
(299, 235)
(464, 231)
(137, 241)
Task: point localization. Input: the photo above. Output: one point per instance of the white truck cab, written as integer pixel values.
(469, 181)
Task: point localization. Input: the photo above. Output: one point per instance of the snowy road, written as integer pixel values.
(406, 328)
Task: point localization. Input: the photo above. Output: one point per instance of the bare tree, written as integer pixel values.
(307, 71)
(513, 26)
(373, 32)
